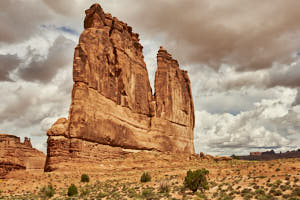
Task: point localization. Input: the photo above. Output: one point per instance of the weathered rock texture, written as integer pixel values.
(112, 103)
(17, 155)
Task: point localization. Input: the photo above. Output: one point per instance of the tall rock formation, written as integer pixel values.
(112, 103)
(16, 155)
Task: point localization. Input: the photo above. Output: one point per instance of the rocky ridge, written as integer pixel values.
(16, 155)
(112, 105)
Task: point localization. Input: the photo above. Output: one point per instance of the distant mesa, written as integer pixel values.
(15, 155)
(270, 155)
(113, 107)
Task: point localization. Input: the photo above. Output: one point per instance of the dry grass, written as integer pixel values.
(120, 179)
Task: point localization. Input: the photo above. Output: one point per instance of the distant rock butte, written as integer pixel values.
(112, 105)
(16, 155)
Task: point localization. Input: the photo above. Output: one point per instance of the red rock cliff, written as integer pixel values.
(17, 155)
(112, 103)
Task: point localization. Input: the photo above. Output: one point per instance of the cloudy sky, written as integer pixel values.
(241, 55)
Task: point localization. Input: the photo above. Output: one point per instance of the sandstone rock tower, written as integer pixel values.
(112, 103)
(15, 155)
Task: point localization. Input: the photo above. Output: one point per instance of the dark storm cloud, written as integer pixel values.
(8, 63)
(44, 69)
(20, 19)
(248, 34)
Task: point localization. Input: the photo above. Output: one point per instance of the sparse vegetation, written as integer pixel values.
(85, 178)
(164, 187)
(47, 191)
(72, 190)
(226, 181)
(195, 180)
(145, 177)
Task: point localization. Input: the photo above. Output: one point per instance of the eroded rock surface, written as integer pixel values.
(112, 103)
(16, 155)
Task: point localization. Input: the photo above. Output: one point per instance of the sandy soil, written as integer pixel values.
(120, 179)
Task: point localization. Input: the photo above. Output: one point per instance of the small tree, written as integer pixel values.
(195, 180)
(145, 177)
(85, 178)
(72, 190)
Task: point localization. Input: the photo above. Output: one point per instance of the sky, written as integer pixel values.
(242, 58)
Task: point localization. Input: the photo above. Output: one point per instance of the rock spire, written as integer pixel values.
(112, 105)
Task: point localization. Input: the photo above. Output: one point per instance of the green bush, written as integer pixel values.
(72, 190)
(85, 178)
(47, 191)
(145, 177)
(195, 180)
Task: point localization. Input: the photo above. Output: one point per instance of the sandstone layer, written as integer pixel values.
(16, 155)
(113, 107)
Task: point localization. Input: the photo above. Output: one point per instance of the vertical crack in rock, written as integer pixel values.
(112, 103)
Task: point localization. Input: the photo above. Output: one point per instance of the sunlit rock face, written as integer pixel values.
(17, 155)
(113, 107)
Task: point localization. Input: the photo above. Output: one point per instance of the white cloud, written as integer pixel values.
(263, 127)
(236, 111)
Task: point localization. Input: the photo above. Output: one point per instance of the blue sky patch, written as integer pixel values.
(64, 29)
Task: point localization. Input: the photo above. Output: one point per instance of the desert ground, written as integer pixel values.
(120, 179)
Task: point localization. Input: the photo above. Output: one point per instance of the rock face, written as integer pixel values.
(17, 155)
(112, 103)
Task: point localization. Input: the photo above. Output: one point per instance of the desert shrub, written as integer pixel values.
(246, 193)
(145, 177)
(47, 191)
(296, 192)
(275, 192)
(222, 196)
(278, 182)
(85, 178)
(265, 197)
(164, 187)
(284, 187)
(259, 192)
(195, 180)
(277, 170)
(84, 192)
(72, 190)
(147, 193)
(262, 177)
(132, 193)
